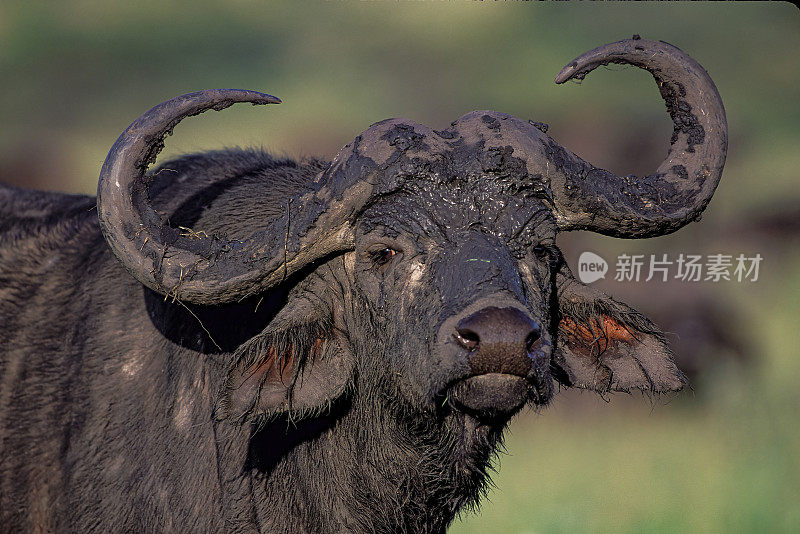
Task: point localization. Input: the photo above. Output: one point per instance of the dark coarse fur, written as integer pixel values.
(108, 390)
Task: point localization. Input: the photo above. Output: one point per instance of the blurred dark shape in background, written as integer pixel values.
(29, 164)
(777, 226)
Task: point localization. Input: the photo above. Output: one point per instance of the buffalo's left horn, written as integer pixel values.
(589, 198)
(192, 266)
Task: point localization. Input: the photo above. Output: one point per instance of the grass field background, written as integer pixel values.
(723, 458)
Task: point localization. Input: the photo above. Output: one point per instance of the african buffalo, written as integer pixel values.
(252, 344)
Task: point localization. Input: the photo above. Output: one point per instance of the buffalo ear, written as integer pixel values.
(604, 345)
(290, 369)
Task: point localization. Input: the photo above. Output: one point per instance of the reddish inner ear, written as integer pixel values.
(282, 369)
(596, 335)
(272, 367)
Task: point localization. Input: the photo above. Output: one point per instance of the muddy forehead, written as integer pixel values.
(447, 213)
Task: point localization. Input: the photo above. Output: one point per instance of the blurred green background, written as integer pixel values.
(724, 457)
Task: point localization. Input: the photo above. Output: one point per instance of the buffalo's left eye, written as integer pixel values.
(541, 252)
(548, 253)
(383, 256)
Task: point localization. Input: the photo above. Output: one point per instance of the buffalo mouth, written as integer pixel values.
(491, 397)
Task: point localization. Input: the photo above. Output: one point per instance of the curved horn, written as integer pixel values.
(198, 268)
(589, 198)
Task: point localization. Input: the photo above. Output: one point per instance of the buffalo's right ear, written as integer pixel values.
(604, 345)
(295, 368)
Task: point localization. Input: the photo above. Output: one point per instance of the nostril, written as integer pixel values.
(467, 338)
(532, 338)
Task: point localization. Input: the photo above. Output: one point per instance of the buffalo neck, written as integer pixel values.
(362, 469)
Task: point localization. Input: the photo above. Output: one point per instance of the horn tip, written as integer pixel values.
(264, 98)
(567, 72)
(257, 98)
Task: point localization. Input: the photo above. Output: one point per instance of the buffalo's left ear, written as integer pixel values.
(604, 345)
(296, 368)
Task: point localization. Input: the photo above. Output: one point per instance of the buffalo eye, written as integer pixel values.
(549, 254)
(541, 252)
(383, 256)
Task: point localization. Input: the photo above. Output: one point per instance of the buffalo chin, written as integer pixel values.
(491, 397)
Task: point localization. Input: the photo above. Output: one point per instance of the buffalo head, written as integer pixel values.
(424, 270)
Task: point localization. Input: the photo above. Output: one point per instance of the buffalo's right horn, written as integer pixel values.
(589, 198)
(198, 268)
